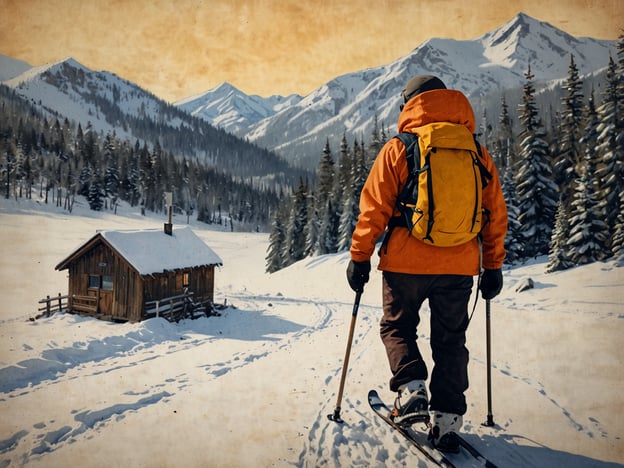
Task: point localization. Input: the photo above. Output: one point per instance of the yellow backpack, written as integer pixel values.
(441, 201)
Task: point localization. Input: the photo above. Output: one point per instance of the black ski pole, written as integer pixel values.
(335, 416)
(490, 418)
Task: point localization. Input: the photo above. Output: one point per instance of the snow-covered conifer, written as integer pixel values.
(277, 238)
(558, 258)
(569, 152)
(514, 242)
(294, 247)
(610, 146)
(323, 203)
(536, 191)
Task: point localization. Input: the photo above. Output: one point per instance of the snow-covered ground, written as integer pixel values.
(252, 388)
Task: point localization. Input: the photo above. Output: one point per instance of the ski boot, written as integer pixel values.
(443, 432)
(410, 406)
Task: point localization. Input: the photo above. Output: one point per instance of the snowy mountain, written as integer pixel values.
(227, 107)
(297, 127)
(68, 89)
(494, 62)
(253, 387)
(10, 67)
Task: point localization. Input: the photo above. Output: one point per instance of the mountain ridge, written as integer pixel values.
(110, 104)
(297, 127)
(349, 104)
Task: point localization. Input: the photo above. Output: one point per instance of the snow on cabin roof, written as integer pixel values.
(153, 251)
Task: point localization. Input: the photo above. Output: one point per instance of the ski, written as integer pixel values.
(474, 452)
(380, 408)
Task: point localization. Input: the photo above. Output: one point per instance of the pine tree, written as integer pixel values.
(277, 239)
(514, 244)
(294, 246)
(351, 207)
(375, 144)
(610, 145)
(96, 195)
(503, 140)
(558, 255)
(587, 235)
(617, 241)
(84, 179)
(313, 228)
(536, 191)
(590, 162)
(111, 175)
(323, 202)
(588, 232)
(569, 152)
(342, 176)
(580, 235)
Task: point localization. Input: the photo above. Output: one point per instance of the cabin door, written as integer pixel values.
(101, 287)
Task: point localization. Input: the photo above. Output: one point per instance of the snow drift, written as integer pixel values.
(253, 387)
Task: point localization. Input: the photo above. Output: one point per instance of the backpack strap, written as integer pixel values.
(412, 154)
(485, 180)
(485, 174)
(412, 151)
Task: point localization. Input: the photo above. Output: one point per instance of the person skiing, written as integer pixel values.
(414, 270)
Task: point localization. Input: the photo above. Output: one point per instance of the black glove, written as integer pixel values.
(491, 283)
(357, 274)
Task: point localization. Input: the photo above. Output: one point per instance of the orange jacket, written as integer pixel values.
(404, 253)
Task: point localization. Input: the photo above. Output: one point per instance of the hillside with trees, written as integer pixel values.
(563, 180)
(60, 160)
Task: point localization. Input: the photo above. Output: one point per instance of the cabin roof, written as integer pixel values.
(153, 251)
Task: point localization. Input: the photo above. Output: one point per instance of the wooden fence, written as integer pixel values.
(66, 303)
(52, 305)
(176, 308)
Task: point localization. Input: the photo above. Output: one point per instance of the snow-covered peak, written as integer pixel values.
(227, 107)
(58, 67)
(70, 89)
(490, 64)
(526, 40)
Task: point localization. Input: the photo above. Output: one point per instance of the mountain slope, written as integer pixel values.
(494, 62)
(10, 67)
(112, 104)
(227, 107)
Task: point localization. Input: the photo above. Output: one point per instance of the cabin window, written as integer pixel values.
(186, 280)
(101, 282)
(94, 282)
(107, 283)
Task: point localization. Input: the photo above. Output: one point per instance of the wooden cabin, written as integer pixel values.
(116, 273)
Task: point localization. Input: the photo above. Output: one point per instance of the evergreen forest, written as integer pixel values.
(60, 159)
(563, 180)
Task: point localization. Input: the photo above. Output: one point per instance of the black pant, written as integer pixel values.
(448, 296)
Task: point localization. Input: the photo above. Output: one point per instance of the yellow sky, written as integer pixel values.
(179, 48)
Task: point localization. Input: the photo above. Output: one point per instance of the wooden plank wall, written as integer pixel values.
(131, 290)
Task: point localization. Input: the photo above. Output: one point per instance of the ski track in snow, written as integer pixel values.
(263, 327)
(46, 438)
(334, 444)
(135, 348)
(363, 440)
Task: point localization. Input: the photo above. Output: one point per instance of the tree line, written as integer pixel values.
(563, 181)
(61, 159)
